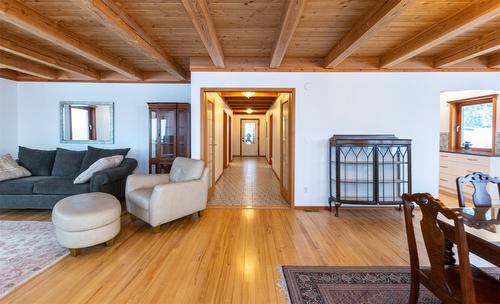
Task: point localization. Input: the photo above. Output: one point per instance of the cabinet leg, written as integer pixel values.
(449, 255)
(330, 203)
(337, 207)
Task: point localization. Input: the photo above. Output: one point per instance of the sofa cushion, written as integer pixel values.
(67, 162)
(21, 186)
(94, 154)
(38, 162)
(60, 185)
(186, 169)
(10, 169)
(101, 164)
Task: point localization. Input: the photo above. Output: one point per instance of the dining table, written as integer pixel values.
(482, 227)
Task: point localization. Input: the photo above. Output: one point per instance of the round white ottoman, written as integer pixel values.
(86, 220)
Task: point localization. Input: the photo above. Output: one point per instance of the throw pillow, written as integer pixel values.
(67, 162)
(9, 168)
(38, 162)
(93, 154)
(186, 169)
(99, 165)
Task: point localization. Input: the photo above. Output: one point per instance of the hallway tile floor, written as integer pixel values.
(248, 182)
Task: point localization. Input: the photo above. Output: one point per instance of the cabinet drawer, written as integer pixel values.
(474, 160)
(447, 181)
(469, 168)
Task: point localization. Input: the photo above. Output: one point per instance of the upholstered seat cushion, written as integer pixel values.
(60, 185)
(186, 169)
(86, 211)
(22, 186)
(141, 197)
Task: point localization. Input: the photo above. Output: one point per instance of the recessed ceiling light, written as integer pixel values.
(248, 94)
(249, 111)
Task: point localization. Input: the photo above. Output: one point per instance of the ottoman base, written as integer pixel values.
(82, 239)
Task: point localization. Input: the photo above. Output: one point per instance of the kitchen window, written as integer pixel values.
(473, 122)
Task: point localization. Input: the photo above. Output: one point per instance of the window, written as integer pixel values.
(473, 121)
(250, 133)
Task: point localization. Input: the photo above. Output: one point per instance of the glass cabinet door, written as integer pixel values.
(183, 131)
(167, 120)
(154, 134)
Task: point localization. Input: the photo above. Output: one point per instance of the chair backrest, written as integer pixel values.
(480, 181)
(434, 241)
(186, 169)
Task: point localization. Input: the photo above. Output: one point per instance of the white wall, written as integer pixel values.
(262, 133)
(38, 107)
(406, 104)
(8, 117)
(445, 97)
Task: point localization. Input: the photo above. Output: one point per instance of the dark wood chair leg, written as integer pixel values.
(414, 289)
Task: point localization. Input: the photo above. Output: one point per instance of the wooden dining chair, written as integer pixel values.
(480, 181)
(450, 283)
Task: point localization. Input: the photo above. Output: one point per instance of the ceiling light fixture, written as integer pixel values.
(249, 111)
(248, 94)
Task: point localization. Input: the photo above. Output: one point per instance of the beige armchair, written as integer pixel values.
(161, 198)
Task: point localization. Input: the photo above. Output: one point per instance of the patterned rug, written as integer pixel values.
(349, 285)
(26, 249)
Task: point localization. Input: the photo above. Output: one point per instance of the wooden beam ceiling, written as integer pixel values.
(20, 15)
(115, 19)
(8, 74)
(289, 22)
(204, 25)
(256, 94)
(494, 61)
(366, 29)
(26, 66)
(483, 45)
(40, 55)
(475, 14)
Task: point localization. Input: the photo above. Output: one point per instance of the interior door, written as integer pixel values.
(270, 144)
(211, 145)
(249, 133)
(285, 149)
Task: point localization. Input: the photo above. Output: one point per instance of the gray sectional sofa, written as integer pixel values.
(53, 173)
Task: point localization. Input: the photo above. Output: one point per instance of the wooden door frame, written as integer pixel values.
(204, 136)
(230, 153)
(270, 141)
(204, 140)
(224, 143)
(258, 136)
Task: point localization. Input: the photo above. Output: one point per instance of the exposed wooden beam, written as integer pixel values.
(289, 22)
(204, 25)
(8, 74)
(114, 18)
(494, 61)
(37, 54)
(20, 15)
(367, 28)
(257, 94)
(483, 45)
(26, 66)
(474, 14)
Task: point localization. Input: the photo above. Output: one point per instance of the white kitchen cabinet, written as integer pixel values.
(453, 165)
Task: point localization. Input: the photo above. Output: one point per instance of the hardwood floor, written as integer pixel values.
(226, 256)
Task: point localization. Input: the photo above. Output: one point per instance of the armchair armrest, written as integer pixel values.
(107, 176)
(139, 181)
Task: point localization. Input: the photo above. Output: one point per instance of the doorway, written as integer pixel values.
(247, 139)
(249, 134)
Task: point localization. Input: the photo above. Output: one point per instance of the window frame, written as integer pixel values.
(455, 133)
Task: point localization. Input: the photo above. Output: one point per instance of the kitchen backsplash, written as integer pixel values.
(444, 138)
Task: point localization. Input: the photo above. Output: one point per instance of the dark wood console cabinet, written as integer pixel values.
(369, 170)
(169, 134)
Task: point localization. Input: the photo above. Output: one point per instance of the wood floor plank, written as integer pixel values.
(229, 255)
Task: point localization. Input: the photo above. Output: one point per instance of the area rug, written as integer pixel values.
(26, 249)
(349, 285)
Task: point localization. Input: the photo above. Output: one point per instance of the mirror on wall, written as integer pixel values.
(86, 122)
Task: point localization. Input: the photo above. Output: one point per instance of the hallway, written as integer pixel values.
(248, 182)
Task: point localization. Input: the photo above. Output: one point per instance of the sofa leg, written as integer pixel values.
(156, 229)
(132, 217)
(110, 242)
(75, 251)
(199, 213)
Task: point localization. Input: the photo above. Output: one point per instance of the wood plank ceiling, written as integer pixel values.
(258, 103)
(163, 40)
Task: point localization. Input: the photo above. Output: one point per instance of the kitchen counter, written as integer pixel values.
(476, 153)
